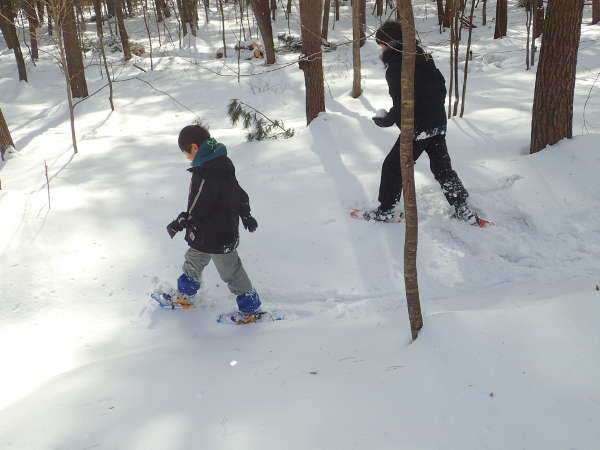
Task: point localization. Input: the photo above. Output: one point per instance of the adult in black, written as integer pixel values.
(430, 128)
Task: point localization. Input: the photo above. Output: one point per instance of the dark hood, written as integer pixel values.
(393, 53)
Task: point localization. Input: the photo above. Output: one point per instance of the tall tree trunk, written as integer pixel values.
(7, 17)
(40, 11)
(595, 11)
(449, 12)
(467, 58)
(407, 163)
(325, 27)
(189, 15)
(356, 63)
(98, 13)
(206, 10)
(337, 10)
(501, 19)
(440, 11)
(484, 13)
(223, 28)
(118, 4)
(5, 138)
(363, 21)
(75, 70)
(538, 19)
(379, 7)
(552, 118)
(312, 62)
(262, 12)
(33, 25)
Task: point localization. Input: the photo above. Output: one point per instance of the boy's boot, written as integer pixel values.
(464, 213)
(380, 214)
(249, 306)
(184, 295)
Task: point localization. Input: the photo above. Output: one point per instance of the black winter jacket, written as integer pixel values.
(216, 202)
(430, 92)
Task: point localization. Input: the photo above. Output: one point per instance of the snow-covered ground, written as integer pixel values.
(508, 356)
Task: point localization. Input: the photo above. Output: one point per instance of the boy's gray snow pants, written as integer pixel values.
(228, 265)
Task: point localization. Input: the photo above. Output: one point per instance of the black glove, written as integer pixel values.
(249, 223)
(381, 121)
(178, 224)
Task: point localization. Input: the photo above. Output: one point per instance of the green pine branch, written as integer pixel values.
(261, 127)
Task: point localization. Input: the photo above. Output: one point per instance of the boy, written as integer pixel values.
(216, 202)
(430, 129)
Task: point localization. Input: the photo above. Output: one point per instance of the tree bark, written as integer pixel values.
(595, 11)
(262, 12)
(407, 163)
(538, 19)
(118, 5)
(33, 21)
(552, 118)
(363, 21)
(5, 138)
(356, 63)
(440, 11)
(75, 70)
(312, 62)
(501, 19)
(484, 13)
(189, 15)
(325, 27)
(7, 17)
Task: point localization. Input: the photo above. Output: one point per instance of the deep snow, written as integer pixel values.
(507, 358)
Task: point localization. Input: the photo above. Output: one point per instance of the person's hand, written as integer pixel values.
(178, 224)
(249, 223)
(380, 121)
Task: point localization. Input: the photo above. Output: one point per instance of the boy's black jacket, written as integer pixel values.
(216, 202)
(430, 91)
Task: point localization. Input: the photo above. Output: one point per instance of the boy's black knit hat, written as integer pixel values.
(389, 31)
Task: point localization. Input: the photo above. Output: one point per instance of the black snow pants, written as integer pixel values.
(390, 188)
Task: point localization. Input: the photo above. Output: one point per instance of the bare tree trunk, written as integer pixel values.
(206, 10)
(529, 11)
(325, 27)
(61, 13)
(49, 14)
(467, 57)
(595, 11)
(484, 12)
(5, 139)
(501, 19)
(98, 13)
(449, 13)
(32, 19)
(363, 21)
(312, 61)
(145, 13)
(337, 10)
(40, 11)
(440, 11)
(7, 16)
(379, 8)
(118, 4)
(407, 163)
(223, 28)
(75, 70)
(189, 15)
(552, 118)
(262, 13)
(100, 32)
(538, 19)
(356, 63)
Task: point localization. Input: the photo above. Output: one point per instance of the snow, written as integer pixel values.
(507, 358)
